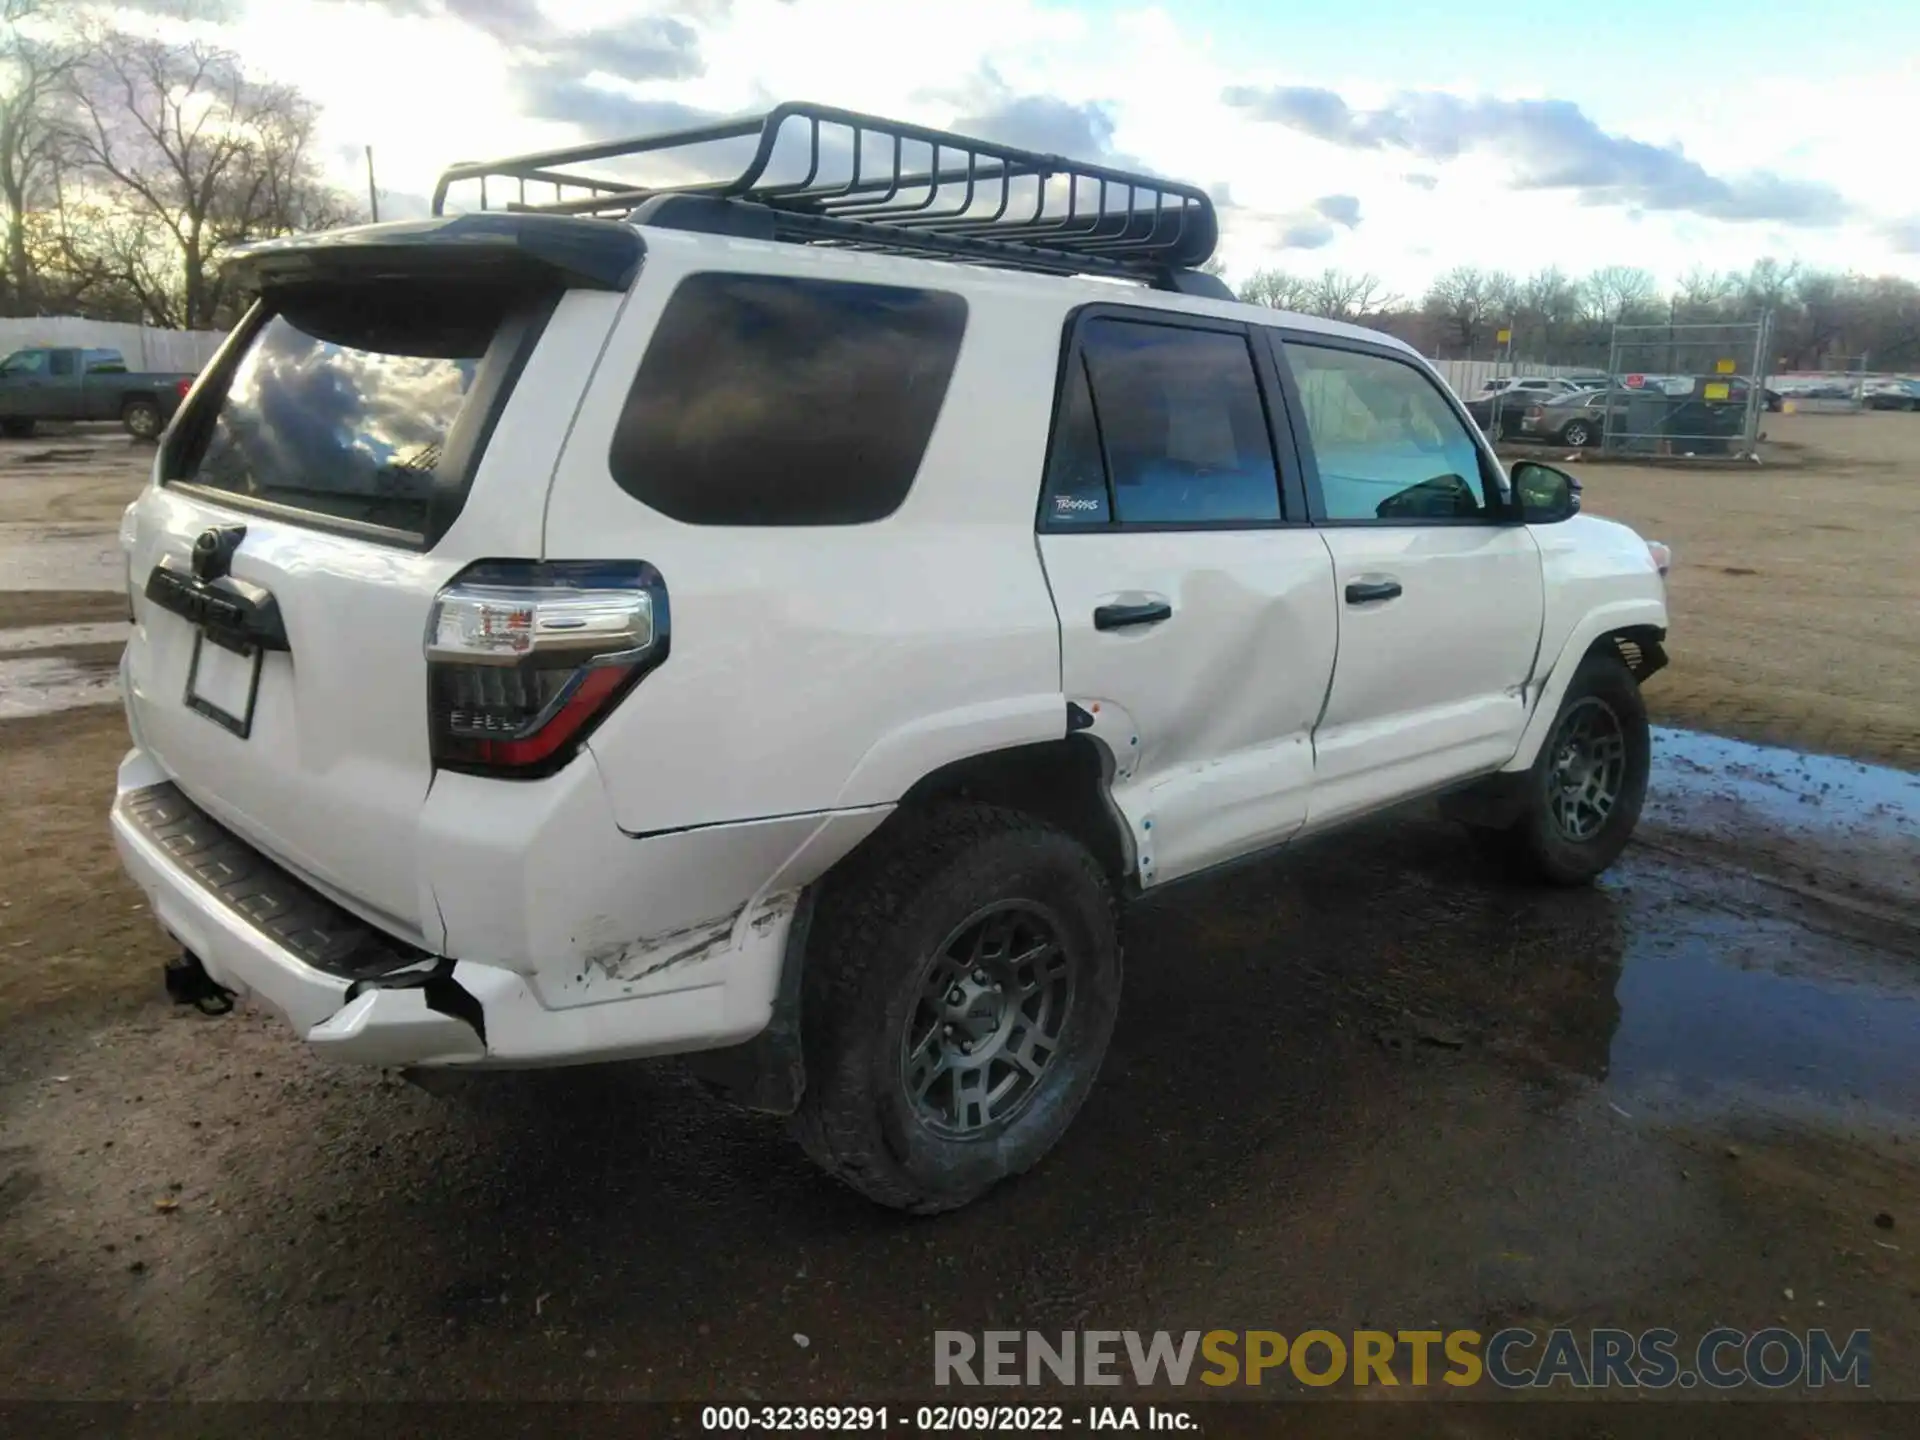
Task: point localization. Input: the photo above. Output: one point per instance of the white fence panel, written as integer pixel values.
(144, 347)
(1469, 377)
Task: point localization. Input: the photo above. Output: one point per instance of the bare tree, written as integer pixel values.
(1619, 294)
(1339, 295)
(1467, 302)
(1768, 285)
(36, 58)
(1546, 305)
(1705, 295)
(196, 155)
(1278, 289)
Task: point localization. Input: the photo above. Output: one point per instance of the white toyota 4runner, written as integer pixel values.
(781, 619)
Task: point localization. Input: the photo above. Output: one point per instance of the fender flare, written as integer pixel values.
(899, 759)
(1594, 625)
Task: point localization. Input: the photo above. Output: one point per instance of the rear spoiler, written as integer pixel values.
(527, 249)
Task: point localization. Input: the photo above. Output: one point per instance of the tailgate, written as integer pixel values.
(362, 438)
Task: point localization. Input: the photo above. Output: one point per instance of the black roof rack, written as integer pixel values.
(865, 183)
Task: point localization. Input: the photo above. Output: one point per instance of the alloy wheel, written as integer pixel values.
(994, 1003)
(1588, 771)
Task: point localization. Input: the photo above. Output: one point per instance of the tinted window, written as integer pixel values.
(1076, 472)
(1388, 445)
(343, 403)
(1185, 432)
(60, 362)
(766, 400)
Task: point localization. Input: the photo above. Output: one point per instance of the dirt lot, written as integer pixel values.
(1365, 1086)
(1796, 596)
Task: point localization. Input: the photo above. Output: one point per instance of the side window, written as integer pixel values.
(771, 400)
(60, 362)
(1185, 432)
(1076, 491)
(25, 362)
(1387, 444)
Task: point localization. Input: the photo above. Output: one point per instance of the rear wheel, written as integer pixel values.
(16, 429)
(1582, 798)
(961, 984)
(1577, 433)
(142, 419)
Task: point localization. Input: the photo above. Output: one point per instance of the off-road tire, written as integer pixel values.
(878, 922)
(1534, 848)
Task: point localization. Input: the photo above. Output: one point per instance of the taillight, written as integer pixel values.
(524, 658)
(183, 386)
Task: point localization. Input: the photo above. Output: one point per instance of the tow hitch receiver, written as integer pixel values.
(189, 984)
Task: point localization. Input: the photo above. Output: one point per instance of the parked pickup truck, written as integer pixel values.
(65, 383)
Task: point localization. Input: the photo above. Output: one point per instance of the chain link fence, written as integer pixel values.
(1686, 391)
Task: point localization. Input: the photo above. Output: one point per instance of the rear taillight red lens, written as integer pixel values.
(183, 387)
(525, 658)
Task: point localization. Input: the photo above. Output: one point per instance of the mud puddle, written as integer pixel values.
(59, 637)
(42, 557)
(48, 684)
(1838, 827)
(1739, 1013)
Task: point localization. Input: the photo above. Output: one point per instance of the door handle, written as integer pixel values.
(1119, 617)
(1372, 592)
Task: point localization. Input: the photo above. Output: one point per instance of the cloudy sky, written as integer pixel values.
(1398, 136)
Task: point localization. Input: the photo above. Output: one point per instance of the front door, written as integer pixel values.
(1197, 617)
(23, 376)
(1438, 586)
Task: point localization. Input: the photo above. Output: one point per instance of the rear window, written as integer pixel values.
(772, 400)
(345, 404)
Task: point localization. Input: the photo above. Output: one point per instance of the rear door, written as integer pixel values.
(1439, 586)
(64, 396)
(1196, 605)
(361, 439)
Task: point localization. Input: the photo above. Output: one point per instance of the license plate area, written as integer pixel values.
(223, 681)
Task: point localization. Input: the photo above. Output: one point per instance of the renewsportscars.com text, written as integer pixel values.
(1512, 1359)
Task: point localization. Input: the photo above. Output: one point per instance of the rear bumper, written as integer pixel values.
(356, 994)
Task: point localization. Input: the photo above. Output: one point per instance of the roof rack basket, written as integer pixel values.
(866, 183)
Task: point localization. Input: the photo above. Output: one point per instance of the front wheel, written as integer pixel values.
(961, 984)
(1581, 799)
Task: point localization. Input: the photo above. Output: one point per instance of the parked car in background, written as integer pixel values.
(1578, 419)
(69, 383)
(1502, 401)
(1892, 395)
(1584, 417)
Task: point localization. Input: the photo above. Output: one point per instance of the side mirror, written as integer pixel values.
(1547, 495)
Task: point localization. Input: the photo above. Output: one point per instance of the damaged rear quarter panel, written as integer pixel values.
(537, 878)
